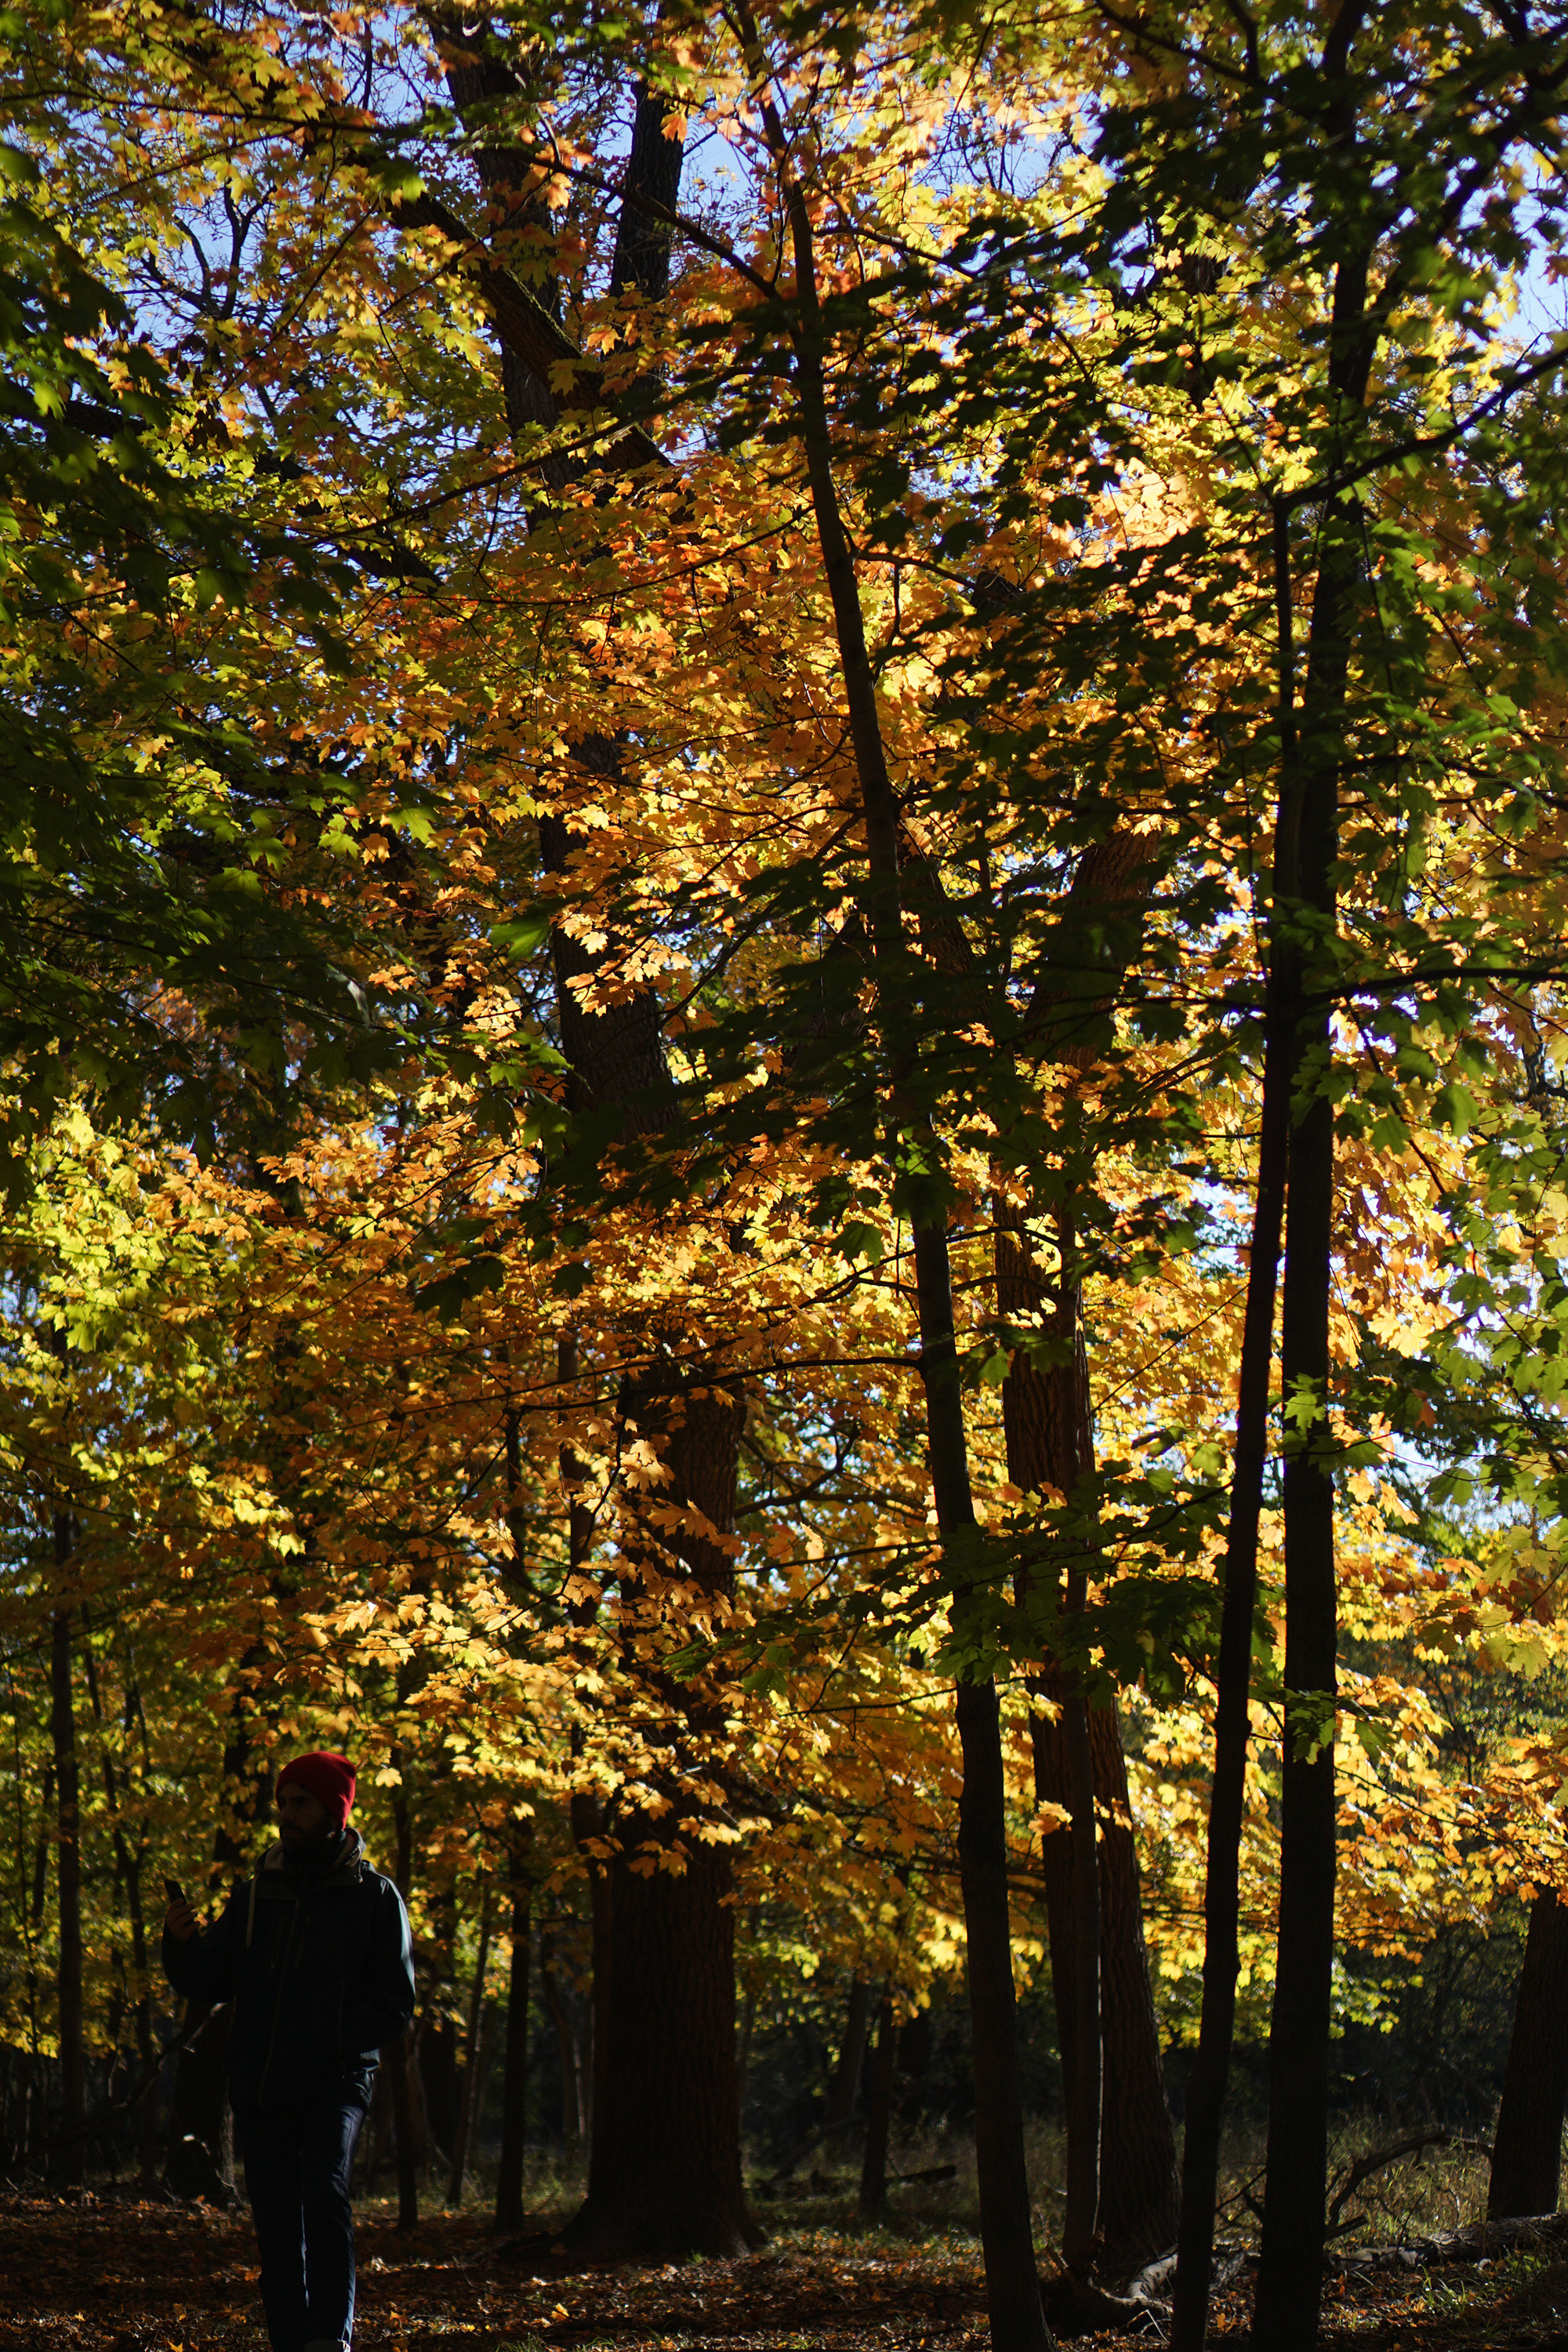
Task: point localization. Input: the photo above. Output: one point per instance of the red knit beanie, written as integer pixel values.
(329, 1779)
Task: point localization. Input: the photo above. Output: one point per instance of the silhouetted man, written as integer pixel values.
(314, 1953)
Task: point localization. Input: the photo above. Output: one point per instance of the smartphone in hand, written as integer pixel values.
(173, 1890)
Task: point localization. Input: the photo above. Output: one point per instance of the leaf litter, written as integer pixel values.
(109, 2275)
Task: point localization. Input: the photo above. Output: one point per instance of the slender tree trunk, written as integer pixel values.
(744, 2053)
(873, 2205)
(1527, 2150)
(1291, 2264)
(1121, 2151)
(1298, 1153)
(1291, 2271)
(568, 2055)
(514, 2079)
(852, 2051)
(405, 2058)
(1084, 2113)
(1017, 2315)
(41, 1846)
(586, 1810)
(128, 1872)
(200, 2162)
(67, 1785)
(470, 2091)
(1227, 1799)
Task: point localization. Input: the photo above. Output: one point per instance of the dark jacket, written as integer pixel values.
(320, 1971)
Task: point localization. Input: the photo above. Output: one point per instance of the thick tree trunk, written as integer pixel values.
(665, 2175)
(666, 2162)
(514, 2077)
(1137, 2165)
(873, 2205)
(71, 2160)
(1527, 2151)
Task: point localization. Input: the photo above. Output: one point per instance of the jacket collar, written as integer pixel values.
(338, 1864)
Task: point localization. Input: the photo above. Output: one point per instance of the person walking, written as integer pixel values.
(315, 1952)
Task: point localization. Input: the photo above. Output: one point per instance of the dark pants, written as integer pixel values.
(297, 2166)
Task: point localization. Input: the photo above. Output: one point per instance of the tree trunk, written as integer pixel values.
(438, 2028)
(128, 1874)
(666, 2161)
(744, 2053)
(1527, 2148)
(1290, 2263)
(407, 2103)
(200, 2160)
(568, 2053)
(1138, 2189)
(1013, 2287)
(846, 2073)
(406, 2124)
(1084, 2110)
(1222, 1906)
(470, 2091)
(665, 2174)
(1290, 2270)
(72, 2161)
(514, 2078)
(1129, 2166)
(873, 2206)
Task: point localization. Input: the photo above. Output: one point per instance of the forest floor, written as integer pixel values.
(109, 2274)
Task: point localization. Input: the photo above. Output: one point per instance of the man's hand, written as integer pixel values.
(181, 1922)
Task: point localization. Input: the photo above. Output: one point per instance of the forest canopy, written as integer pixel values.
(782, 1053)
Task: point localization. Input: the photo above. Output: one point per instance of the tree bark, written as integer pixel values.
(1527, 2151)
(664, 2172)
(514, 2077)
(72, 2159)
